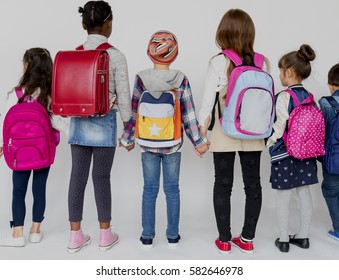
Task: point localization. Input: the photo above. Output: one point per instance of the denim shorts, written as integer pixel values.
(94, 131)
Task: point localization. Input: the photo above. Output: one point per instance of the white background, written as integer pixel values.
(281, 26)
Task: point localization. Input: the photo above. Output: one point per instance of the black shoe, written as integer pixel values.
(146, 241)
(282, 246)
(300, 242)
(173, 242)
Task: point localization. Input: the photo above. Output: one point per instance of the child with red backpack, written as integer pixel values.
(29, 142)
(94, 139)
(292, 167)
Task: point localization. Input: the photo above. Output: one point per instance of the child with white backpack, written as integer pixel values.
(291, 170)
(225, 92)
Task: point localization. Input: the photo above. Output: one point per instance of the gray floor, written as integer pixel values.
(197, 242)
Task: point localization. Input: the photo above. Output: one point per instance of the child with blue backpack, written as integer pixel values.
(34, 87)
(330, 184)
(235, 34)
(157, 91)
(288, 172)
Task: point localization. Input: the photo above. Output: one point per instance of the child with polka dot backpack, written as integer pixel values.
(293, 163)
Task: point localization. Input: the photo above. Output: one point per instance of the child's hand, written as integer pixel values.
(203, 149)
(128, 148)
(1, 152)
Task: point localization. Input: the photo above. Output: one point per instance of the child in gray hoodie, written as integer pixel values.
(162, 50)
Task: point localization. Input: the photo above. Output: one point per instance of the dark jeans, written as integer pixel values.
(224, 174)
(330, 189)
(20, 184)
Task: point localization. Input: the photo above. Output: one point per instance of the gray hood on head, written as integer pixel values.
(158, 81)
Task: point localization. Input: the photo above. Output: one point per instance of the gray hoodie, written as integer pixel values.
(158, 81)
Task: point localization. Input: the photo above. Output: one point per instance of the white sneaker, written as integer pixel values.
(35, 237)
(12, 242)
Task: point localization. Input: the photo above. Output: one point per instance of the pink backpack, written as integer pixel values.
(29, 139)
(305, 137)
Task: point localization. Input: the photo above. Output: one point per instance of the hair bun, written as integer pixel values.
(306, 52)
(81, 10)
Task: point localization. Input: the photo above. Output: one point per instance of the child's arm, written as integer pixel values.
(189, 118)
(121, 80)
(282, 117)
(127, 138)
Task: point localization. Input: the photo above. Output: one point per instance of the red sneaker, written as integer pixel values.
(223, 247)
(245, 247)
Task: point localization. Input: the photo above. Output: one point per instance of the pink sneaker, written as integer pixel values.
(107, 239)
(244, 246)
(223, 247)
(77, 241)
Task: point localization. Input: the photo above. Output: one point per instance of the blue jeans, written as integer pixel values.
(151, 164)
(330, 189)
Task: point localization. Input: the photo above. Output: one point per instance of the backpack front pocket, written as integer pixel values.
(254, 111)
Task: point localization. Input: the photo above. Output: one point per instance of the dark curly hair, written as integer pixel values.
(95, 14)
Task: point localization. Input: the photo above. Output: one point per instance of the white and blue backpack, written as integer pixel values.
(249, 108)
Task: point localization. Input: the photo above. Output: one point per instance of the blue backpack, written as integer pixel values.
(331, 157)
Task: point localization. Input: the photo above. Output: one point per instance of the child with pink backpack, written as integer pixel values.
(293, 161)
(30, 137)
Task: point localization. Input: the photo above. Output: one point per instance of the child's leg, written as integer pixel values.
(20, 183)
(101, 175)
(282, 211)
(151, 173)
(330, 189)
(171, 171)
(306, 209)
(223, 168)
(250, 165)
(81, 161)
(39, 196)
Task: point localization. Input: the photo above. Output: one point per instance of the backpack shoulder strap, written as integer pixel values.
(216, 103)
(233, 56)
(103, 46)
(334, 104)
(294, 96)
(19, 93)
(80, 48)
(308, 100)
(259, 60)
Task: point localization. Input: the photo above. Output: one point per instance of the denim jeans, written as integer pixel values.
(94, 131)
(330, 189)
(151, 164)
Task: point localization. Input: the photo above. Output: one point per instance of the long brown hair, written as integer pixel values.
(236, 31)
(37, 75)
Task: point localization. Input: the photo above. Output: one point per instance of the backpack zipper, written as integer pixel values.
(9, 144)
(14, 164)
